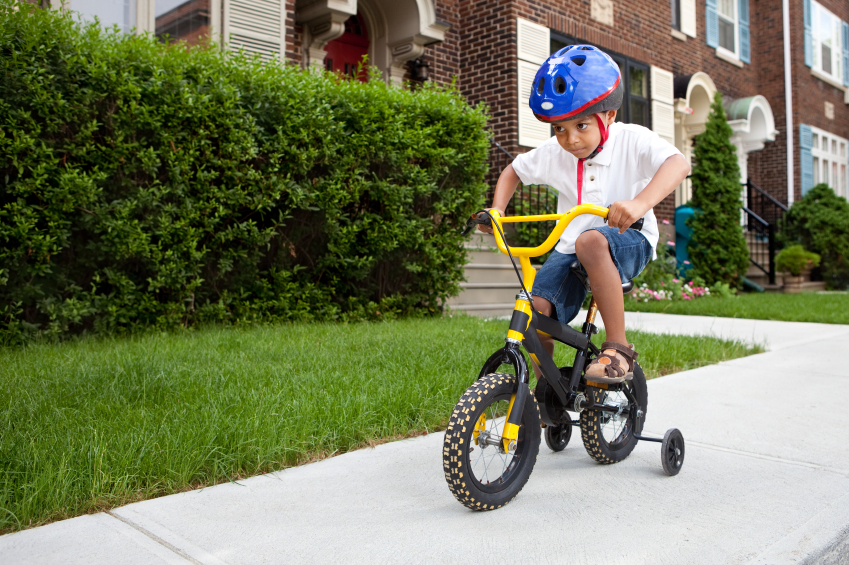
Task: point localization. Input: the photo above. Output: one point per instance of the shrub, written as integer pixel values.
(717, 247)
(820, 222)
(795, 259)
(151, 185)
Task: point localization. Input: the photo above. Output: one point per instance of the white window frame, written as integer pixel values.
(836, 79)
(720, 50)
(831, 161)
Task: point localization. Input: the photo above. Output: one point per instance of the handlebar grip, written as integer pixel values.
(638, 225)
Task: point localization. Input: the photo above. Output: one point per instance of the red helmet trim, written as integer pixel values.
(595, 100)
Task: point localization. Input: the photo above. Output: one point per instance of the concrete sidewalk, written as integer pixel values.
(765, 481)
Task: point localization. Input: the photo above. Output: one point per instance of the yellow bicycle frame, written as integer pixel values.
(524, 254)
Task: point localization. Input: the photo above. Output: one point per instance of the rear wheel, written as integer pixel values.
(480, 473)
(609, 436)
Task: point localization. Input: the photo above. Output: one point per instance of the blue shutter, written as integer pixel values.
(743, 22)
(809, 38)
(845, 54)
(712, 23)
(806, 160)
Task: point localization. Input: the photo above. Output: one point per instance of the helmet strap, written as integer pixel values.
(605, 132)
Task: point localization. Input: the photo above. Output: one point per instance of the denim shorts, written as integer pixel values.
(630, 251)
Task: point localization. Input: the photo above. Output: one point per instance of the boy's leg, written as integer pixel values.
(593, 252)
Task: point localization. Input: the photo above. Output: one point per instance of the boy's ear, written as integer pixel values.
(611, 116)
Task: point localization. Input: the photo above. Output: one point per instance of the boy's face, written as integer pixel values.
(580, 137)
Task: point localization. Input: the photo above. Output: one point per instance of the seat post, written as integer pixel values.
(592, 311)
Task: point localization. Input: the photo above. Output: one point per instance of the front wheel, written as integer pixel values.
(480, 473)
(609, 436)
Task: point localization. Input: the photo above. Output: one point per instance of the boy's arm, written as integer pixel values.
(504, 189)
(670, 174)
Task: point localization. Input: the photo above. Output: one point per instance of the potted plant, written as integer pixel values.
(793, 261)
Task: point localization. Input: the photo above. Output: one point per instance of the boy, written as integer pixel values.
(593, 160)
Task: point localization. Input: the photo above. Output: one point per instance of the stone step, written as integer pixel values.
(485, 310)
(486, 293)
(491, 273)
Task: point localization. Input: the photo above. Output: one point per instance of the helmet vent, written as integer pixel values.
(541, 85)
(585, 48)
(559, 85)
(568, 48)
(579, 60)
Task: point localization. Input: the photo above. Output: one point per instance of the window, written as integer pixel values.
(186, 20)
(635, 76)
(827, 46)
(676, 14)
(174, 19)
(829, 160)
(109, 12)
(727, 20)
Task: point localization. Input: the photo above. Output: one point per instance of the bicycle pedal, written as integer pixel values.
(605, 386)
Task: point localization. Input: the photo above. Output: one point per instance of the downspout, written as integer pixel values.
(788, 100)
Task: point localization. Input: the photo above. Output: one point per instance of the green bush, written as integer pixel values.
(820, 222)
(151, 185)
(717, 248)
(795, 259)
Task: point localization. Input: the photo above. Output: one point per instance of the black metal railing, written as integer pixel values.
(761, 217)
(528, 199)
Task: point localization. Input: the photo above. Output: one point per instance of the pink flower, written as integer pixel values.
(670, 243)
(665, 222)
(662, 283)
(675, 280)
(686, 262)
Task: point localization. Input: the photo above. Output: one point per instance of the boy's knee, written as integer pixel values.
(542, 305)
(588, 243)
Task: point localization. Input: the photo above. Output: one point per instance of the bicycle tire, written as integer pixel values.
(480, 475)
(610, 439)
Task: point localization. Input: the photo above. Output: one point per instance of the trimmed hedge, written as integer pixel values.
(820, 223)
(152, 185)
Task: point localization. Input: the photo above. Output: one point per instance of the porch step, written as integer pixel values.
(491, 283)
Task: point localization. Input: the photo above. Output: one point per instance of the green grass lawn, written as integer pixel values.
(96, 423)
(826, 308)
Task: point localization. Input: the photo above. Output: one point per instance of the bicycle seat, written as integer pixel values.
(578, 270)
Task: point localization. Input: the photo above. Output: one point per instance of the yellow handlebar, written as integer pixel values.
(563, 220)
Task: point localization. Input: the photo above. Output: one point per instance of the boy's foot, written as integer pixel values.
(615, 364)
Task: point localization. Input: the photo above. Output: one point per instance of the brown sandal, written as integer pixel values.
(613, 370)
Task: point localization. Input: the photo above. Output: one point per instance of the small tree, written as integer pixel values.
(717, 247)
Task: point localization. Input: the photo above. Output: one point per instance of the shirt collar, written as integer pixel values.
(605, 156)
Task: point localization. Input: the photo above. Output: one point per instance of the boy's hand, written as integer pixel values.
(487, 229)
(624, 213)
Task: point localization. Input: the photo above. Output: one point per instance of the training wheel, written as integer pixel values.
(557, 437)
(672, 451)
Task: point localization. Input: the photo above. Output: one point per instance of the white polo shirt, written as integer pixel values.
(631, 156)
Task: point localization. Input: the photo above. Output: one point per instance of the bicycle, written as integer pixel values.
(493, 436)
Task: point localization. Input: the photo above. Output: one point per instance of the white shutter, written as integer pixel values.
(532, 132)
(662, 88)
(663, 120)
(662, 109)
(533, 42)
(688, 17)
(256, 26)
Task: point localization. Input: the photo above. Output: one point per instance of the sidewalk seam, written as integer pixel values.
(156, 538)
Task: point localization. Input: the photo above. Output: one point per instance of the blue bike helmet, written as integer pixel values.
(574, 82)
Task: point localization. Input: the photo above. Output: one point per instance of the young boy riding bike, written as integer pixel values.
(593, 160)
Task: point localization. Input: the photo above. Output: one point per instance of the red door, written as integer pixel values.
(346, 52)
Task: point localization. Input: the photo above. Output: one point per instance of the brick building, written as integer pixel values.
(764, 57)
